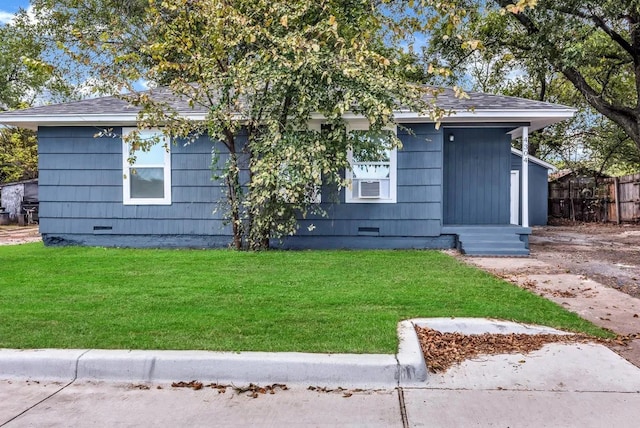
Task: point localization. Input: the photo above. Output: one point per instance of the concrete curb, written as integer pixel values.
(407, 368)
(366, 370)
(412, 369)
(223, 367)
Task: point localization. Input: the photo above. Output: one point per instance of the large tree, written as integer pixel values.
(23, 81)
(262, 70)
(568, 52)
(594, 44)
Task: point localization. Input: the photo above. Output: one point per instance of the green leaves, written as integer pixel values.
(269, 74)
(18, 155)
(263, 70)
(574, 52)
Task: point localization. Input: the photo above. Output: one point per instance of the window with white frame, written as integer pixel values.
(373, 173)
(312, 193)
(146, 181)
(289, 174)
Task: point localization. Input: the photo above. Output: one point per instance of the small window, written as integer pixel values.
(147, 181)
(373, 175)
(297, 175)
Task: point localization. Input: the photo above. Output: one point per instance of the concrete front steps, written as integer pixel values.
(481, 240)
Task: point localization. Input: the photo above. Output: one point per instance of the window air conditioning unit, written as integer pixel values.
(369, 189)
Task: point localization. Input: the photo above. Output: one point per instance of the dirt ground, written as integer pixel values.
(606, 253)
(12, 235)
(591, 269)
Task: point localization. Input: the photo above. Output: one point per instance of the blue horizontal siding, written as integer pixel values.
(326, 227)
(421, 193)
(185, 211)
(404, 211)
(71, 178)
(418, 211)
(81, 182)
(53, 193)
(417, 177)
(84, 161)
(81, 134)
(81, 189)
(418, 160)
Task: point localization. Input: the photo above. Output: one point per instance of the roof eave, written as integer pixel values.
(34, 121)
(537, 118)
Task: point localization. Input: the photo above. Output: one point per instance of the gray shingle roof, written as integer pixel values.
(103, 105)
(114, 106)
(481, 101)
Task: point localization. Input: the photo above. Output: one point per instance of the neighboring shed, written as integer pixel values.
(12, 196)
(538, 189)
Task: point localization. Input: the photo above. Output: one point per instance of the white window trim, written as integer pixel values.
(393, 172)
(126, 188)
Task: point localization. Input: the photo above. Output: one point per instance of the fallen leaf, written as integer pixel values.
(142, 387)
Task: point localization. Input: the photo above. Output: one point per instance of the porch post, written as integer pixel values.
(524, 195)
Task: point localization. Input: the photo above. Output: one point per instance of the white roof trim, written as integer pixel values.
(537, 117)
(534, 160)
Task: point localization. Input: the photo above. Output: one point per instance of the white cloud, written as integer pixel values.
(144, 85)
(31, 14)
(6, 17)
(94, 87)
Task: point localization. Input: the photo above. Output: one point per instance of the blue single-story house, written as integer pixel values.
(448, 187)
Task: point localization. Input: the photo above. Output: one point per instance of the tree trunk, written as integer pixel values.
(234, 191)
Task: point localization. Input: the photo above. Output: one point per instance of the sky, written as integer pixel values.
(9, 7)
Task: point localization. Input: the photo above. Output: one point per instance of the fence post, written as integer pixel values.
(616, 193)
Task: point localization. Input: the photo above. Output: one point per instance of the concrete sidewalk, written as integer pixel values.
(579, 385)
(108, 405)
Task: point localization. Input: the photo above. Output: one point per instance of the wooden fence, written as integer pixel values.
(605, 200)
(624, 193)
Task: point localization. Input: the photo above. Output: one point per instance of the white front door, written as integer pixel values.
(515, 197)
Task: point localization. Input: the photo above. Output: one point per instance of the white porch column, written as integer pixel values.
(524, 194)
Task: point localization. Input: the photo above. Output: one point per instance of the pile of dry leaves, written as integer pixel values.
(443, 350)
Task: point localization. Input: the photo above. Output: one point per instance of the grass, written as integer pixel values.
(312, 301)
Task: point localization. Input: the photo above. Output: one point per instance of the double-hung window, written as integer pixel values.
(146, 181)
(373, 176)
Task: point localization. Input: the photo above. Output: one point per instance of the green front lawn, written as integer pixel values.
(311, 301)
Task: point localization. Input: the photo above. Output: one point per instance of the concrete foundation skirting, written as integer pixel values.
(378, 370)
